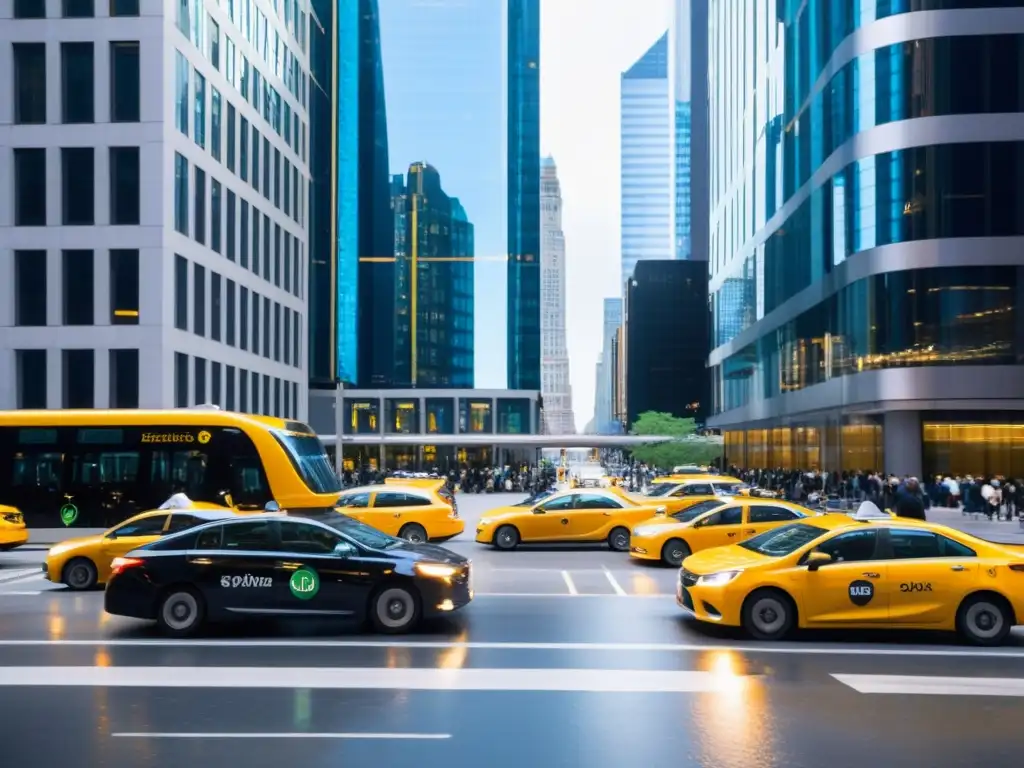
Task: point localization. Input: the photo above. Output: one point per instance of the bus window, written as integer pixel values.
(103, 486)
(181, 471)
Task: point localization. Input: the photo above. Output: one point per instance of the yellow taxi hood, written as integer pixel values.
(72, 544)
(662, 521)
(503, 513)
(725, 558)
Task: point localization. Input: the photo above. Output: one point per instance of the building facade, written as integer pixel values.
(665, 321)
(870, 207)
(555, 387)
(647, 117)
(604, 406)
(524, 216)
(153, 246)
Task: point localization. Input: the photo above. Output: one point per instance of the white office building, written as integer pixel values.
(604, 405)
(554, 367)
(153, 248)
(647, 115)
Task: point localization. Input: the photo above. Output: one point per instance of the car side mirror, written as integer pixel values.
(344, 549)
(660, 510)
(538, 510)
(272, 506)
(817, 559)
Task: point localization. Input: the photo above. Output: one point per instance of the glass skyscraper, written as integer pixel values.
(523, 88)
(867, 234)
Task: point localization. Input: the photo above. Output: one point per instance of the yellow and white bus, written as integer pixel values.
(95, 468)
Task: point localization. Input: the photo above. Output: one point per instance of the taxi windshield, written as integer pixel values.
(535, 499)
(698, 509)
(361, 533)
(661, 489)
(783, 541)
(310, 461)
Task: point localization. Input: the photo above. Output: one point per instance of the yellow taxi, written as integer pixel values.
(712, 523)
(866, 571)
(13, 531)
(84, 562)
(411, 511)
(577, 515)
(677, 495)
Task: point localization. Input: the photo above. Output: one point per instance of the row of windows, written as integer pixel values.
(77, 82)
(222, 221)
(927, 317)
(77, 296)
(944, 191)
(77, 186)
(75, 9)
(281, 326)
(78, 378)
(232, 389)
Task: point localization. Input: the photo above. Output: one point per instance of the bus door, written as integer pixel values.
(32, 473)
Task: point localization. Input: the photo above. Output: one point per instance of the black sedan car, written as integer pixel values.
(276, 565)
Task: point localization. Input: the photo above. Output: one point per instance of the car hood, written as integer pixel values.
(726, 558)
(504, 513)
(662, 521)
(427, 552)
(70, 545)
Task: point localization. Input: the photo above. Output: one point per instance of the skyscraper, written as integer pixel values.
(524, 240)
(555, 386)
(647, 115)
(604, 407)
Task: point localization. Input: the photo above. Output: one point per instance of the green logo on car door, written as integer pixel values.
(304, 583)
(68, 514)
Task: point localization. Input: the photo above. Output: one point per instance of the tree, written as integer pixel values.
(686, 447)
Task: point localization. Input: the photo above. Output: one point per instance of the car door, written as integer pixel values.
(356, 505)
(129, 535)
(852, 589)
(387, 510)
(929, 575)
(233, 564)
(688, 495)
(720, 528)
(764, 517)
(319, 572)
(550, 520)
(591, 517)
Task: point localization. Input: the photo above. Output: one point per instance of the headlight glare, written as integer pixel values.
(717, 579)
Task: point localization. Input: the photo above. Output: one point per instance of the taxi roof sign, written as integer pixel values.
(177, 501)
(869, 511)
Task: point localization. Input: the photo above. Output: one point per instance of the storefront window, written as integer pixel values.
(403, 417)
(475, 416)
(401, 457)
(440, 415)
(514, 416)
(363, 417)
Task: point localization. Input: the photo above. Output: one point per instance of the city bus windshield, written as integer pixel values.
(310, 461)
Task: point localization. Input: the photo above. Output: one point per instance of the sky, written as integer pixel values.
(444, 85)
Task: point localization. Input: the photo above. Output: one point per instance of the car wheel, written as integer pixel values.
(506, 537)
(984, 620)
(768, 614)
(181, 612)
(674, 552)
(413, 533)
(80, 574)
(618, 539)
(394, 609)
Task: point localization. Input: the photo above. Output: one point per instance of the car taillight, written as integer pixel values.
(121, 564)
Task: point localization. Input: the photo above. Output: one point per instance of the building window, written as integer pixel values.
(215, 123)
(124, 378)
(180, 292)
(32, 378)
(125, 103)
(181, 105)
(362, 417)
(77, 83)
(214, 29)
(125, 187)
(124, 7)
(254, 392)
(78, 9)
(215, 392)
(243, 390)
(124, 287)
(78, 288)
(277, 255)
(183, 17)
(255, 159)
(475, 416)
(231, 137)
(243, 230)
(199, 206)
(277, 178)
(30, 187)
(277, 332)
(29, 83)
(266, 168)
(514, 416)
(255, 252)
(78, 383)
(287, 401)
(30, 9)
(255, 323)
(243, 317)
(198, 300)
(230, 226)
(287, 336)
(229, 387)
(243, 149)
(266, 327)
(215, 305)
(266, 394)
(199, 123)
(229, 312)
(403, 416)
(277, 397)
(181, 194)
(215, 215)
(77, 185)
(30, 287)
(199, 364)
(180, 380)
(440, 415)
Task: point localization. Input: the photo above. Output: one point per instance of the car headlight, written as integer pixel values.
(483, 521)
(717, 579)
(643, 531)
(435, 570)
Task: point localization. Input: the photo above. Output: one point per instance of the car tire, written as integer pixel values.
(506, 538)
(984, 619)
(768, 614)
(394, 609)
(618, 539)
(79, 574)
(414, 533)
(181, 612)
(674, 552)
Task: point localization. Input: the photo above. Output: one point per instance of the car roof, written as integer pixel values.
(419, 490)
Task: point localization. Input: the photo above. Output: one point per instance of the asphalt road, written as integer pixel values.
(566, 658)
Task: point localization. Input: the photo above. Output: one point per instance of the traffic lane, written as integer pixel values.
(756, 724)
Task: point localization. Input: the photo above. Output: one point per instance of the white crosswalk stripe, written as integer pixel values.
(19, 574)
(921, 685)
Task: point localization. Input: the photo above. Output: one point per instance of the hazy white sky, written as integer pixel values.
(585, 47)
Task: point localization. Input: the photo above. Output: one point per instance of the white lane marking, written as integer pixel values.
(13, 593)
(373, 678)
(615, 585)
(568, 583)
(380, 736)
(20, 574)
(919, 685)
(485, 568)
(752, 648)
(663, 596)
